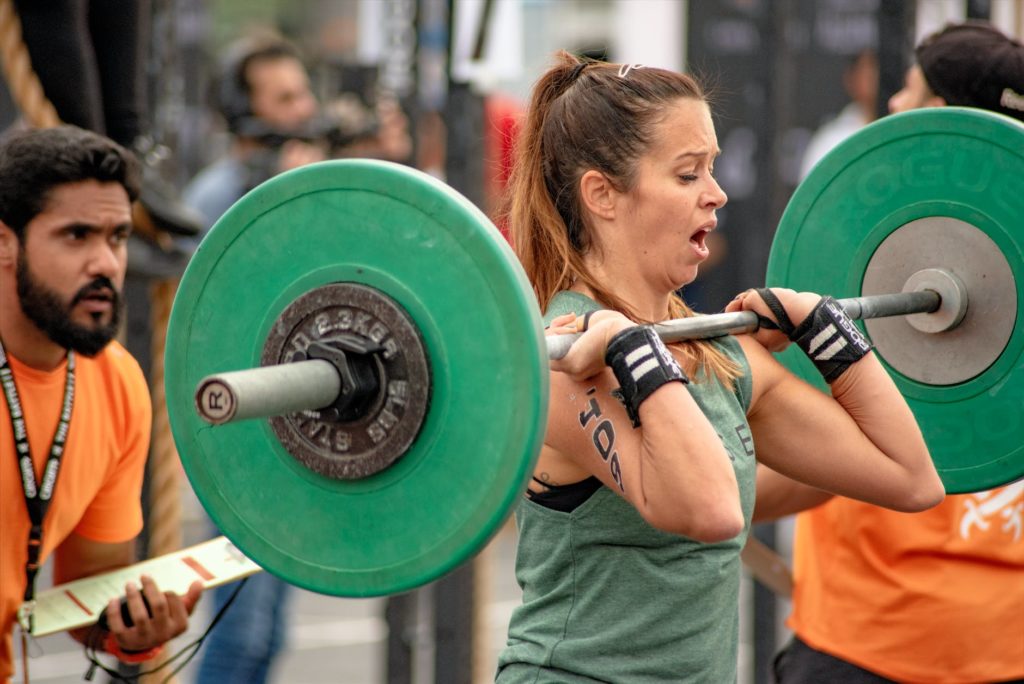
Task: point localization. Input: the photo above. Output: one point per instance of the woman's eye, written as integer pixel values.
(688, 177)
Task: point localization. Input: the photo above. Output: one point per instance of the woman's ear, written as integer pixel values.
(597, 194)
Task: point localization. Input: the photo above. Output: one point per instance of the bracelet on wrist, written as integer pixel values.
(111, 646)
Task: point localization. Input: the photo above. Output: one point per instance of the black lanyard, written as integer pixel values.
(37, 498)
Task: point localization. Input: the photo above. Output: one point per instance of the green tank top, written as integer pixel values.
(607, 597)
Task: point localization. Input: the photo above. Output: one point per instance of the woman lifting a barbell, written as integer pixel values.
(643, 493)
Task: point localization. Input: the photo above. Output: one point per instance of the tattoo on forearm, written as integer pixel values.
(594, 410)
(603, 436)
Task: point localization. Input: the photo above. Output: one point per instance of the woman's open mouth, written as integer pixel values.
(699, 243)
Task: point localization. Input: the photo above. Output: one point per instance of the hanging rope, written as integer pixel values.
(164, 466)
(24, 85)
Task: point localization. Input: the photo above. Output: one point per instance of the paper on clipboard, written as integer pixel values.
(79, 603)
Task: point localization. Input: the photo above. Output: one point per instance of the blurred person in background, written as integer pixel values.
(936, 596)
(860, 81)
(271, 112)
(277, 124)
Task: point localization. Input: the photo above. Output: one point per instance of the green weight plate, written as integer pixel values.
(958, 169)
(440, 259)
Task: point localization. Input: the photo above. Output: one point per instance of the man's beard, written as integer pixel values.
(44, 307)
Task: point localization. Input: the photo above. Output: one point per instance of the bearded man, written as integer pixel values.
(74, 441)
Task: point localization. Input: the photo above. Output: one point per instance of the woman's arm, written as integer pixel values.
(779, 496)
(861, 442)
(672, 468)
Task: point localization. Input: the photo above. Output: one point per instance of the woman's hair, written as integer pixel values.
(587, 115)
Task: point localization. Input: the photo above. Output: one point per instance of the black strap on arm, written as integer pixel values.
(641, 364)
(783, 322)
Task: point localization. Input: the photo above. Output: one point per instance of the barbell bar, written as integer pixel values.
(312, 384)
(738, 322)
(392, 260)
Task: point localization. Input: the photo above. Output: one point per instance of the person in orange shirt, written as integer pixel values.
(74, 433)
(934, 597)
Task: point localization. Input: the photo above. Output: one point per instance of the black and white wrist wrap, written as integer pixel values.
(831, 340)
(642, 364)
(828, 335)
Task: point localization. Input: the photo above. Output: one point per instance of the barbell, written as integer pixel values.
(334, 377)
(360, 375)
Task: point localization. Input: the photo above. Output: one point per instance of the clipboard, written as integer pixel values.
(80, 602)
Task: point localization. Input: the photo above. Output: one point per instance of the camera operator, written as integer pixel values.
(265, 99)
(277, 124)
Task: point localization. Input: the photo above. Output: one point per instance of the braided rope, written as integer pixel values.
(26, 90)
(165, 468)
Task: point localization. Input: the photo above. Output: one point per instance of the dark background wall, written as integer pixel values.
(774, 68)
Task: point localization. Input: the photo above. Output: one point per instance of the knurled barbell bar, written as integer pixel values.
(435, 401)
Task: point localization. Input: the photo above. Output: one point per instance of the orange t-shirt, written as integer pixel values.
(100, 481)
(933, 597)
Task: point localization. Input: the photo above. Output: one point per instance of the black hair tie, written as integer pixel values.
(577, 70)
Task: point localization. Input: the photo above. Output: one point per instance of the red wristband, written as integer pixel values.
(111, 646)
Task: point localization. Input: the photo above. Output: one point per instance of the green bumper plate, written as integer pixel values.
(424, 245)
(962, 164)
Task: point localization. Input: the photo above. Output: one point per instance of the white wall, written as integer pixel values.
(651, 32)
(932, 15)
(1008, 15)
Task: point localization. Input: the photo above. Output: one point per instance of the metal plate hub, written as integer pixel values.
(371, 443)
(952, 356)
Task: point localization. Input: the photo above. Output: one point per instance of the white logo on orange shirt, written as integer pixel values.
(985, 507)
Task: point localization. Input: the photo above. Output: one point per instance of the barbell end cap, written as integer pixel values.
(953, 300)
(215, 400)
